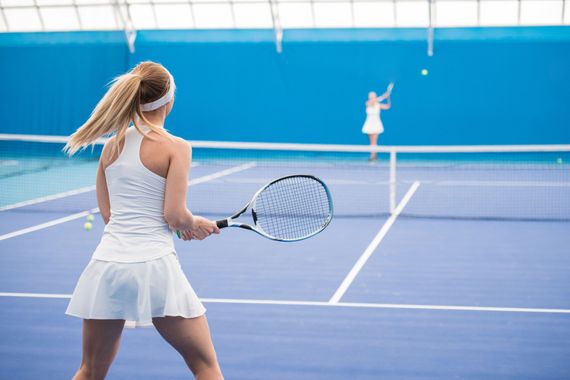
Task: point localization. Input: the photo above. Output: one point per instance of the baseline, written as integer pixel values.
(329, 304)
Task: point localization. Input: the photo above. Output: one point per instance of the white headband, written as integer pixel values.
(161, 101)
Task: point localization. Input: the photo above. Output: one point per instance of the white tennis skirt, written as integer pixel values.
(372, 125)
(135, 292)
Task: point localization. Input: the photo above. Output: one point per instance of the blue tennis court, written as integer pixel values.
(377, 294)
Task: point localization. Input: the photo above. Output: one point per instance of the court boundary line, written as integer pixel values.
(349, 278)
(222, 173)
(82, 214)
(362, 305)
(48, 198)
(48, 224)
(546, 184)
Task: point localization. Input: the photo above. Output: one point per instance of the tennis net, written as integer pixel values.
(459, 182)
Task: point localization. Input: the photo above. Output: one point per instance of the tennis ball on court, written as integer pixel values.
(90, 218)
(87, 226)
(424, 72)
(559, 161)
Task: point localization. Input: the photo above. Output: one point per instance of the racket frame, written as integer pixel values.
(229, 222)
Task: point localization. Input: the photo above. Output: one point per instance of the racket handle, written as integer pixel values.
(222, 223)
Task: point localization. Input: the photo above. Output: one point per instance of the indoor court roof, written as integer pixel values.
(64, 15)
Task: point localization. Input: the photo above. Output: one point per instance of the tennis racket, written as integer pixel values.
(290, 208)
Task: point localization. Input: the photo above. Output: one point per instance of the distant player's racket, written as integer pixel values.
(290, 208)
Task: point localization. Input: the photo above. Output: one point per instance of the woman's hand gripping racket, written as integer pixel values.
(290, 208)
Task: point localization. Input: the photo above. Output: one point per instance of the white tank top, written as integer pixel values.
(373, 110)
(136, 231)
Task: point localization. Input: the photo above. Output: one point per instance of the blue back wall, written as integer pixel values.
(485, 85)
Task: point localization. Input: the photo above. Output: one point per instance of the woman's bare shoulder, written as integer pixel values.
(175, 143)
(110, 151)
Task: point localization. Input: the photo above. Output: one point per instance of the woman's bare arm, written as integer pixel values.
(176, 213)
(101, 187)
(387, 105)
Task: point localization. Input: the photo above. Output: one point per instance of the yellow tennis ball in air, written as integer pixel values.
(424, 72)
(87, 226)
(90, 218)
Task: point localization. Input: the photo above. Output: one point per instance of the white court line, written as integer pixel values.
(35, 295)
(499, 183)
(82, 214)
(51, 223)
(47, 198)
(264, 180)
(222, 173)
(373, 245)
(338, 304)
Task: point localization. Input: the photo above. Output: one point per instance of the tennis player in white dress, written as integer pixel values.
(134, 274)
(373, 124)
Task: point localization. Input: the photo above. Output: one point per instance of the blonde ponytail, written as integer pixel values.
(119, 107)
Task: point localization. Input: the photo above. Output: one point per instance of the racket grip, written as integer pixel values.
(222, 223)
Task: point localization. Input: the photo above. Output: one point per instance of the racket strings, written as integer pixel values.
(293, 208)
(293, 219)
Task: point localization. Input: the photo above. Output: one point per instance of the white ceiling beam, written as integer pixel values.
(430, 31)
(126, 23)
(37, 7)
(6, 20)
(191, 5)
(277, 29)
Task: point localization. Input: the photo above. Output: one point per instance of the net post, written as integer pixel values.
(392, 181)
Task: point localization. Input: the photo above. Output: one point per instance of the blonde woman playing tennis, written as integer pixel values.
(134, 274)
(373, 126)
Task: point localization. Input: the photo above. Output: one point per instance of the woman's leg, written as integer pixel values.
(191, 338)
(100, 345)
(373, 142)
